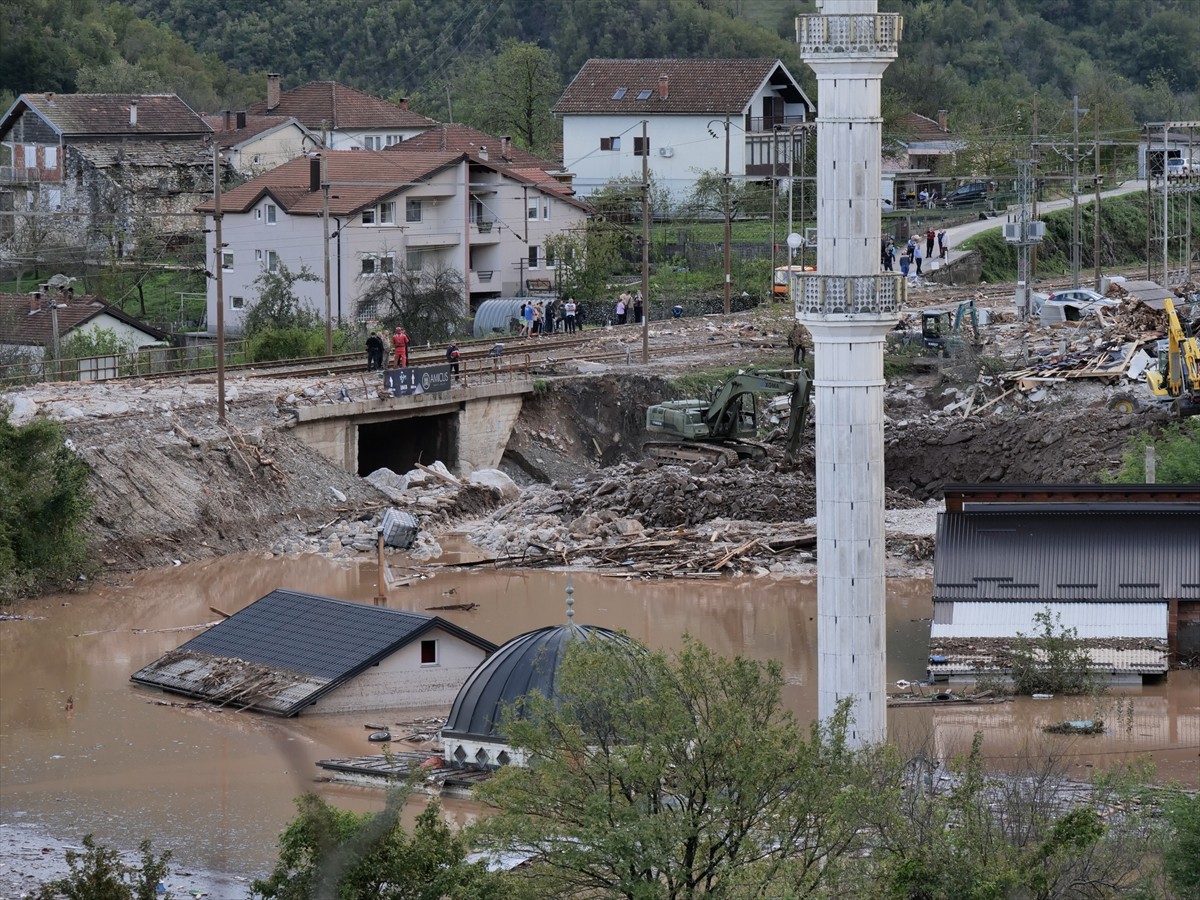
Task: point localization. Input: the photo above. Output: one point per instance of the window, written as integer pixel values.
(644, 95)
(227, 260)
(641, 147)
(31, 156)
(412, 210)
(237, 302)
(258, 214)
(272, 261)
(610, 143)
(373, 142)
(368, 216)
(415, 260)
(394, 139)
(533, 256)
(382, 264)
(258, 258)
(546, 208)
(271, 213)
(429, 653)
(54, 198)
(51, 157)
(619, 94)
(549, 258)
(531, 204)
(387, 213)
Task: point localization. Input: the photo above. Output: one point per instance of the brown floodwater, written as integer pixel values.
(217, 786)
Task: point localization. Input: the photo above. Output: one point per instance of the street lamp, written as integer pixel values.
(794, 242)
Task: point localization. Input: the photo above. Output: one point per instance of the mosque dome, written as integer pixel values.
(529, 662)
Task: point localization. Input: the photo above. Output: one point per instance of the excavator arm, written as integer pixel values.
(1179, 374)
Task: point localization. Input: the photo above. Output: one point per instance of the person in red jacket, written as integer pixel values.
(400, 345)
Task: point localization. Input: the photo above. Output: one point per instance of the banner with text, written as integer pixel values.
(417, 380)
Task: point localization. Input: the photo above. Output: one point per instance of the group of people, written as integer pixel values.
(628, 304)
(375, 348)
(549, 317)
(400, 343)
(914, 253)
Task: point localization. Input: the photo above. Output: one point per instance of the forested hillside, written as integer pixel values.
(1136, 59)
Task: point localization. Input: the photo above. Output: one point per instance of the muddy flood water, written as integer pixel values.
(216, 787)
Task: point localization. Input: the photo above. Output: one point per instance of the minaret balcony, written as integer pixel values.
(848, 295)
(876, 35)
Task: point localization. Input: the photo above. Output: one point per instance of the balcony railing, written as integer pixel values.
(770, 123)
(484, 225)
(848, 34)
(852, 295)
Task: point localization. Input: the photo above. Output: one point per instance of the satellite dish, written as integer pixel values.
(794, 241)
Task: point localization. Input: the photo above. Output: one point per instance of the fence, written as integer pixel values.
(30, 369)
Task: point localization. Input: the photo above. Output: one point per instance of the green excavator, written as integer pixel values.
(725, 428)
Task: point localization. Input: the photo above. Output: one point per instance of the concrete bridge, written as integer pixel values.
(466, 427)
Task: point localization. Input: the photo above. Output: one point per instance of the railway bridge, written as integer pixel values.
(466, 427)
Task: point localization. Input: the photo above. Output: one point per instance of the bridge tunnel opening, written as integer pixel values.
(399, 444)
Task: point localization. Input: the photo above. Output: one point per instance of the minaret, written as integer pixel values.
(849, 306)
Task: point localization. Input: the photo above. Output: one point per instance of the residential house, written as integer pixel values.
(921, 155)
(99, 171)
(686, 103)
(251, 145)
(421, 209)
(291, 652)
(30, 324)
(1116, 563)
(345, 118)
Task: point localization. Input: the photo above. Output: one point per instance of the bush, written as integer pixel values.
(1176, 455)
(98, 874)
(298, 343)
(44, 486)
(1052, 661)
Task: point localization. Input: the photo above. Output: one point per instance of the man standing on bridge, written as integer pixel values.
(400, 345)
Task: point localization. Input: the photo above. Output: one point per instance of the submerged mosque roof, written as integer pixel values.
(529, 662)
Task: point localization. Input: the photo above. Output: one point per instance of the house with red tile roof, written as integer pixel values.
(344, 117)
(96, 170)
(251, 144)
(31, 323)
(686, 103)
(413, 210)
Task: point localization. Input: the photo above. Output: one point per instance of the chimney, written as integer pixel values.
(483, 152)
(241, 119)
(664, 87)
(314, 173)
(35, 301)
(942, 119)
(133, 113)
(402, 103)
(506, 148)
(228, 113)
(272, 91)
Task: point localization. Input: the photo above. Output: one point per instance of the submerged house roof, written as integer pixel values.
(289, 648)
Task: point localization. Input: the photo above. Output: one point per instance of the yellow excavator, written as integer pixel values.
(722, 430)
(1175, 382)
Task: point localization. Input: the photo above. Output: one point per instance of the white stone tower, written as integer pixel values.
(849, 306)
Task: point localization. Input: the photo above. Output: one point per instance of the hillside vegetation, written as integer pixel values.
(982, 60)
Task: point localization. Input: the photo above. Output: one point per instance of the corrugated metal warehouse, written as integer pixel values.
(1119, 564)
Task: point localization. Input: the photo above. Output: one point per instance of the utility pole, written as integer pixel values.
(1096, 206)
(219, 247)
(646, 248)
(728, 226)
(1035, 153)
(1076, 225)
(774, 204)
(325, 228)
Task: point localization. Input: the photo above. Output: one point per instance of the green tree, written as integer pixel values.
(331, 854)
(1052, 660)
(46, 500)
(587, 257)
(98, 874)
(95, 342)
(1181, 852)
(1176, 455)
(512, 93)
(668, 777)
(278, 305)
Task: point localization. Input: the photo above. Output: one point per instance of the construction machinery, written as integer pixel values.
(943, 332)
(1175, 381)
(725, 427)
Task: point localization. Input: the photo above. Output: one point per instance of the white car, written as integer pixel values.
(1082, 301)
